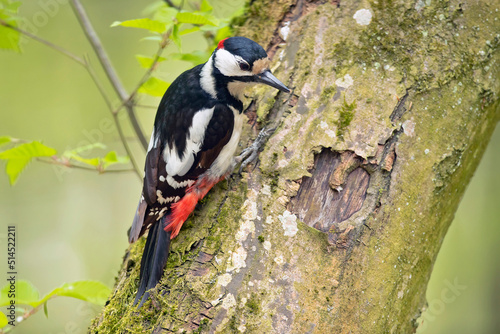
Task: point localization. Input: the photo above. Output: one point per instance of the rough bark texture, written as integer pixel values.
(337, 229)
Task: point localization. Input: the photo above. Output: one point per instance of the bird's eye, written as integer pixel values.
(244, 66)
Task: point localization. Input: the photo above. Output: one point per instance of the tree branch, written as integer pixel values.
(108, 68)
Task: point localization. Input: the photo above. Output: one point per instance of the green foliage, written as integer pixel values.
(26, 294)
(101, 164)
(154, 87)
(9, 38)
(18, 157)
(197, 18)
(148, 24)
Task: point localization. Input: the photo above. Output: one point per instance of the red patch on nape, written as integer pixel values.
(221, 44)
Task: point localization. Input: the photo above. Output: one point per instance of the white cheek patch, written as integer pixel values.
(194, 139)
(228, 65)
(207, 80)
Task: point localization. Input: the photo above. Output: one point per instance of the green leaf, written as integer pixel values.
(112, 158)
(146, 61)
(175, 36)
(205, 6)
(19, 156)
(26, 294)
(196, 18)
(154, 87)
(148, 24)
(9, 38)
(196, 57)
(4, 140)
(91, 291)
(3, 320)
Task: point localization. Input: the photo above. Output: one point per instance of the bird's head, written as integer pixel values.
(242, 61)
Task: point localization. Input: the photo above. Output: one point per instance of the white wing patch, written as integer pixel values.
(180, 166)
(228, 64)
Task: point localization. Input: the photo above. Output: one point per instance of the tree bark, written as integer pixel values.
(337, 228)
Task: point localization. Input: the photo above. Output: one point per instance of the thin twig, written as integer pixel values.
(43, 41)
(68, 164)
(108, 68)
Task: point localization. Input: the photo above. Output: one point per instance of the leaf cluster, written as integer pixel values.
(22, 153)
(26, 294)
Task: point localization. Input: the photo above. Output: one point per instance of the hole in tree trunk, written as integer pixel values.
(320, 206)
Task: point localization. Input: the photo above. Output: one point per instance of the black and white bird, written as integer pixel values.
(196, 133)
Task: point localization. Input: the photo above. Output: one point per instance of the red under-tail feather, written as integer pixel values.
(181, 210)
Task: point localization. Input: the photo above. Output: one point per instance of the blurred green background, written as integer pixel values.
(72, 224)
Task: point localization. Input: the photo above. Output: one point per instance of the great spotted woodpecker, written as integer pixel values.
(196, 133)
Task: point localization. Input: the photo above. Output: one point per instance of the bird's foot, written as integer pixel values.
(251, 153)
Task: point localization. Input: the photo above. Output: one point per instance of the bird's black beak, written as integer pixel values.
(268, 78)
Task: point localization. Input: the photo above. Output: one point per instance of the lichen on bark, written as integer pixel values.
(411, 99)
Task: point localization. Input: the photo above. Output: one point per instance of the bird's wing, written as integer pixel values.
(148, 197)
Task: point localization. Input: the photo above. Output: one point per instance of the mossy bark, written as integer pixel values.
(338, 227)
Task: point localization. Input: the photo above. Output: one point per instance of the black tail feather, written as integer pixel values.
(154, 260)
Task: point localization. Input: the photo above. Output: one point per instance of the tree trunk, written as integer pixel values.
(338, 227)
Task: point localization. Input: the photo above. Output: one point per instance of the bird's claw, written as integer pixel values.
(250, 154)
